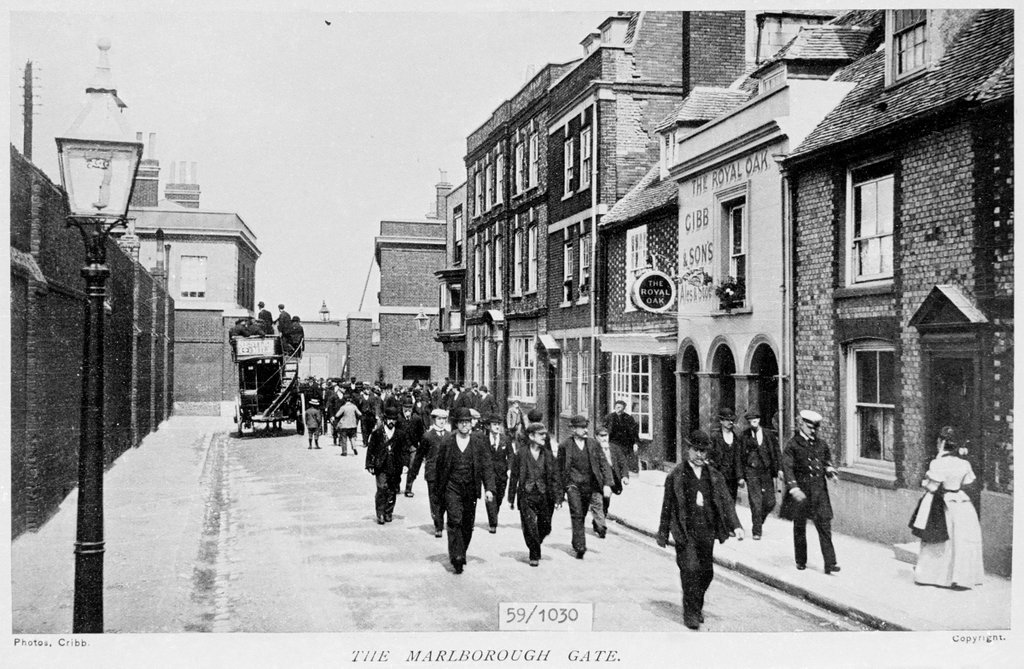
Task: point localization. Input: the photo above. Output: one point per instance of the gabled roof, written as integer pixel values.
(705, 103)
(947, 305)
(977, 54)
(829, 42)
(649, 194)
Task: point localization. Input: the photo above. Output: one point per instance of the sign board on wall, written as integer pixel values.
(653, 291)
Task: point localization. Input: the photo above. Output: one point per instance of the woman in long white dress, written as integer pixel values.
(956, 562)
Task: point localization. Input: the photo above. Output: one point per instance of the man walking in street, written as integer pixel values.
(725, 453)
(534, 480)
(759, 451)
(313, 421)
(486, 404)
(617, 463)
(347, 416)
(806, 463)
(385, 456)
(624, 432)
(696, 510)
(586, 478)
(427, 454)
(463, 467)
(413, 426)
(499, 446)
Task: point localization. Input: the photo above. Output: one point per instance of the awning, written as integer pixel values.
(639, 343)
(548, 342)
(494, 316)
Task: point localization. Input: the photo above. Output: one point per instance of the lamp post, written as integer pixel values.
(98, 161)
(325, 313)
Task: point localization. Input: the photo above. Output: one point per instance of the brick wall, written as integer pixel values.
(714, 48)
(407, 276)
(363, 359)
(47, 327)
(201, 340)
(402, 343)
(662, 242)
(658, 47)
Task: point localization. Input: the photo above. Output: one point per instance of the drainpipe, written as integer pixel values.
(787, 385)
(594, 394)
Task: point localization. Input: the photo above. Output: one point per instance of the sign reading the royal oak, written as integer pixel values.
(653, 291)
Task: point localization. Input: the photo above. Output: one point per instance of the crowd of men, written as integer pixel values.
(293, 336)
(468, 449)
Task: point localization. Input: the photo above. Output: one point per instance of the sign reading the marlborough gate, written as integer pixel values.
(653, 291)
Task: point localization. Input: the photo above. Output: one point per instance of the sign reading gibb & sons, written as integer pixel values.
(653, 291)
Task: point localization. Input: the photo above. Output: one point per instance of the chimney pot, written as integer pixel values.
(152, 146)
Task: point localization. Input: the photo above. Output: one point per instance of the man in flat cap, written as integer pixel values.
(535, 482)
(696, 510)
(427, 454)
(385, 457)
(725, 450)
(463, 468)
(499, 446)
(806, 463)
(761, 460)
(586, 480)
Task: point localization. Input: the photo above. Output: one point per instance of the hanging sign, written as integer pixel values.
(653, 291)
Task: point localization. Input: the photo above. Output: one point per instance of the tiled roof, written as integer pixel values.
(824, 42)
(999, 85)
(634, 19)
(648, 194)
(976, 54)
(705, 103)
(870, 18)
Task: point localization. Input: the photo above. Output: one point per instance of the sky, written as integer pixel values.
(311, 132)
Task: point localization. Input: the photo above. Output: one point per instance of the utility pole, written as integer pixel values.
(27, 139)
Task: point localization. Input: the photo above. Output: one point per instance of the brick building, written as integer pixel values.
(451, 331)
(902, 210)
(211, 262)
(48, 313)
(408, 252)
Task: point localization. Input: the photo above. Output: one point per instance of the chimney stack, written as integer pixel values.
(442, 189)
(147, 181)
(182, 187)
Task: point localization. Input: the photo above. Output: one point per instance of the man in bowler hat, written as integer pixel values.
(385, 457)
(696, 510)
(761, 460)
(463, 467)
(806, 463)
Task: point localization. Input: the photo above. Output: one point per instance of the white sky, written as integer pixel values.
(312, 133)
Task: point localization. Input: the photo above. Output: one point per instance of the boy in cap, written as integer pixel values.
(534, 480)
(499, 446)
(385, 457)
(586, 480)
(806, 463)
(759, 452)
(313, 420)
(725, 450)
(463, 468)
(696, 510)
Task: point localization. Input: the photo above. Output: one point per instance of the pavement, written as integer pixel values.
(873, 587)
(163, 484)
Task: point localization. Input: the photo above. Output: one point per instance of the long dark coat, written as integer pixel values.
(726, 458)
(619, 467)
(378, 458)
(483, 472)
(804, 464)
(673, 505)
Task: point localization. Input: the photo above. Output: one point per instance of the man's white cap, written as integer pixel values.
(810, 416)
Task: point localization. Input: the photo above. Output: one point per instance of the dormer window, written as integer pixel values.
(908, 42)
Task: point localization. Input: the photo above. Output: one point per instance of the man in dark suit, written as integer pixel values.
(499, 446)
(696, 510)
(624, 432)
(617, 462)
(586, 480)
(534, 480)
(463, 467)
(427, 454)
(266, 320)
(486, 404)
(806, 463)
(385, 456)
(411, 423)
(759, 452)
(725, 451)
(283, 320)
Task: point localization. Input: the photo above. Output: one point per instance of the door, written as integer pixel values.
(952, 401)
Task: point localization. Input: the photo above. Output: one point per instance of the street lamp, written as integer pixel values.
(325, 313)
(98, 161)
(422, 320)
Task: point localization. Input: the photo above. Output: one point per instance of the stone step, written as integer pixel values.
(907, 552)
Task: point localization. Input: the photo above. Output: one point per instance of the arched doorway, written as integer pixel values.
(690, 387)
(765, 369)
(724, 367)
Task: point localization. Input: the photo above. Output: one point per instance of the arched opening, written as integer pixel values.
(724, 367)
(690, 387)
(765, 369)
